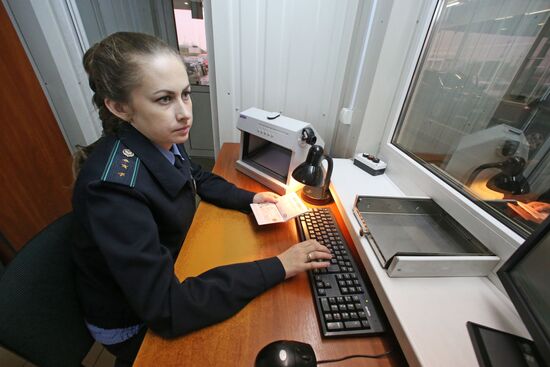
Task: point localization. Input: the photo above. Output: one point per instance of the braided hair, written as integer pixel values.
(114, 69)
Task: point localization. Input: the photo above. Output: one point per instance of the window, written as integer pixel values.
(477, 113)
(191, 33)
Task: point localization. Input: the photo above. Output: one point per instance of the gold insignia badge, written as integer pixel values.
(125, 166)
(125, 160)
(121, 174)
(127, 152)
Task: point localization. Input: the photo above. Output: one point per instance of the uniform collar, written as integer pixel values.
(171, 153)
(170, 178)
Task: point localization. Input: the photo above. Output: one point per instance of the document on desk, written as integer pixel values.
(287, 207)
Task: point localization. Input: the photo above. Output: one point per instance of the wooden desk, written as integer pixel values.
(220, 236)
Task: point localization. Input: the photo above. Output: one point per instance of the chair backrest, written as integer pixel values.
(40, 318)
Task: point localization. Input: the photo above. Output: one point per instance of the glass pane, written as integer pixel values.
(190, 27)
(478, 111)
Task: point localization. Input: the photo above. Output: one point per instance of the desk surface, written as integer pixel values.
(220, 236)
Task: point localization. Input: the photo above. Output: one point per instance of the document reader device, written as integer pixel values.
(415, 237)
(272, 145)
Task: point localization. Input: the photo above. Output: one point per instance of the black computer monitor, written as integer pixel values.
(526, 278)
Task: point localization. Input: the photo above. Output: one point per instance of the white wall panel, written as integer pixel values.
(275, 70)
(286, 56)
(222, 45)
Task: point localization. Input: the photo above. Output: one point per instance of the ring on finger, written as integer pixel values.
(309, 258)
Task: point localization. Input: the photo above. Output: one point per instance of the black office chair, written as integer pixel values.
(40, 318)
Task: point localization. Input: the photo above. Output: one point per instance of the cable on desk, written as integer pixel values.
(357, 356)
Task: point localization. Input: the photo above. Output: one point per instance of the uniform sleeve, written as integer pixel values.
(218, 191)
(122, 225)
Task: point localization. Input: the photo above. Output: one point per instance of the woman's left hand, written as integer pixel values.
(265, 197)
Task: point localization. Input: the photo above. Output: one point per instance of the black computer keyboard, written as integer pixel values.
(343, 305)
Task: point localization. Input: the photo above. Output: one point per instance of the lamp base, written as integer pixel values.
(314, 195)
(516, 185)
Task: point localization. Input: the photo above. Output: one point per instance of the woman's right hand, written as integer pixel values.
(303, 256)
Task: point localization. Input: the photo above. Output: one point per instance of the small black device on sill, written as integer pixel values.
(496, 348)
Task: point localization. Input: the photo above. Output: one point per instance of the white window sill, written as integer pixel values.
(428, 315)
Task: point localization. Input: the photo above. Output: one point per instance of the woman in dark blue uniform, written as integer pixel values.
(134, 200)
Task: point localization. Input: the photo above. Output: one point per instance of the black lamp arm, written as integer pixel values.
(328, 175)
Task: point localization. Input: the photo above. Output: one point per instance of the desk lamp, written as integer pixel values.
(509, 180)
(310, 173)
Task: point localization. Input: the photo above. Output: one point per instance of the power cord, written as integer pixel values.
(357, 356)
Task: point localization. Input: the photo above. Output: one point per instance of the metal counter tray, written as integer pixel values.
(416, 237)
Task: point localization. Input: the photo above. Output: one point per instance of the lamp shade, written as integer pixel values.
(311, 171)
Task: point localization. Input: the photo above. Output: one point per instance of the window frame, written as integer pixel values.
(412, 177)
(523, 231)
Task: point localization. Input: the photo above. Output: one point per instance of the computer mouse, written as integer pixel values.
(286, 353)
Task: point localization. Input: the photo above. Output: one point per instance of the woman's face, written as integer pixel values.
(160, 107)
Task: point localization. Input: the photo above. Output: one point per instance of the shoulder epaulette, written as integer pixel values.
(122, 166)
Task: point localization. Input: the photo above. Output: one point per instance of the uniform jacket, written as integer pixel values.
(133, 210)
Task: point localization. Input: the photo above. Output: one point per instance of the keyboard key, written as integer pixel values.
(325, 305)
(335, 325)
(352, 324)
